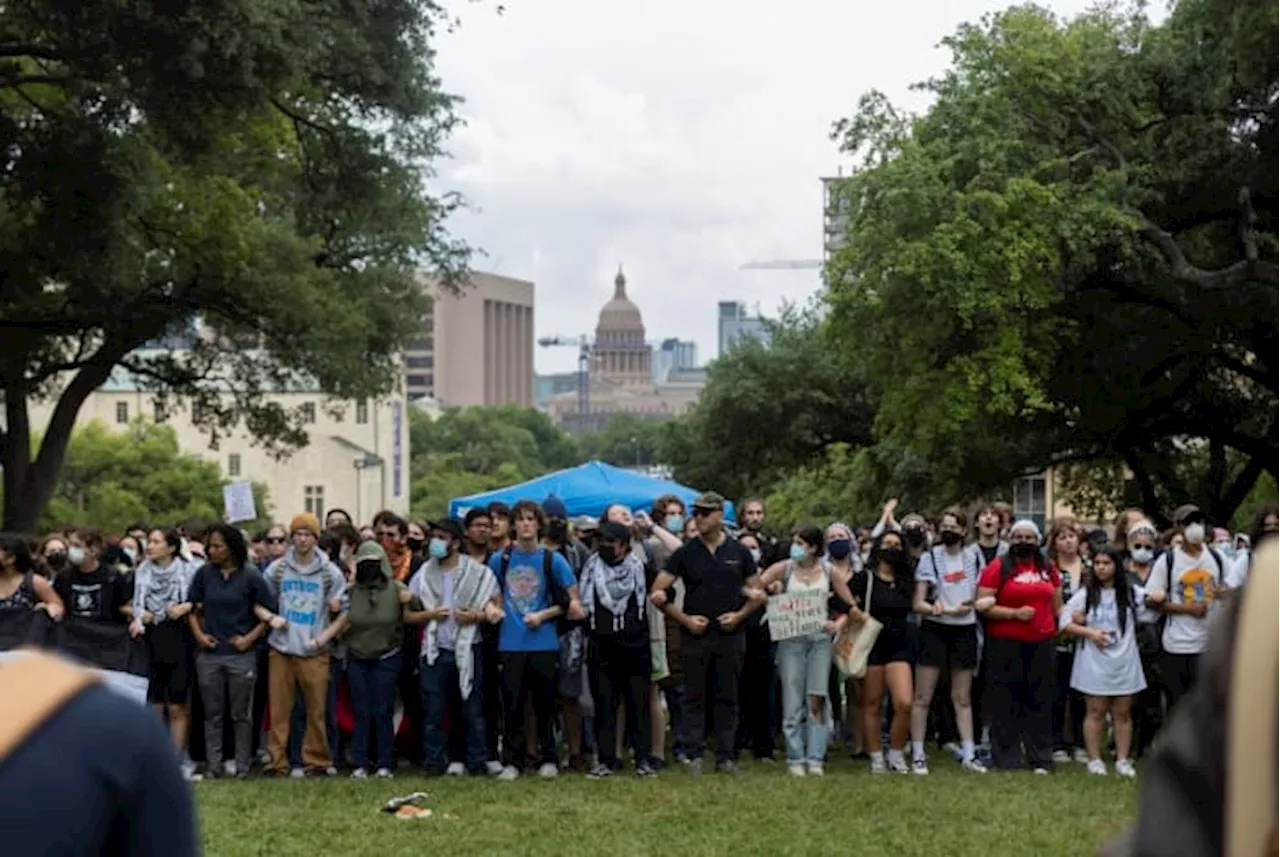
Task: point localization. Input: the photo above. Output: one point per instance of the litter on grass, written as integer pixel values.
(409, 808)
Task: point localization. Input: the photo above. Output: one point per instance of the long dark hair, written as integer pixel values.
(234, 540)
(18, 547)
(904, 574)
(1119, 582)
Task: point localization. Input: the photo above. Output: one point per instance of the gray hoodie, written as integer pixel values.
(304, 593)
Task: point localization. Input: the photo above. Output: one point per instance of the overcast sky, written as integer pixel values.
(681, 138)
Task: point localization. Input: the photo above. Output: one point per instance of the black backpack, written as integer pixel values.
(558, 595)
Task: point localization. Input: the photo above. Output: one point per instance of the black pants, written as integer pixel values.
(493, 701)
(528, 677)
(1179, 674)
(1020, 693)
(619, 675)
(1067, 703)
(712, 666)
(756, 694)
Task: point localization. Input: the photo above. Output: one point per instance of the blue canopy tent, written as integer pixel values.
(585, 490)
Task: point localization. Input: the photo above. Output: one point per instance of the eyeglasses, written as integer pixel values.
(274, 540)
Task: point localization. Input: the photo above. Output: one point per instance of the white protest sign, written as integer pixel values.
(796, 614)
(237, 502)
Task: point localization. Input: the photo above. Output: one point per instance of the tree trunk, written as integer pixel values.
(1224, 509)
(28, 481)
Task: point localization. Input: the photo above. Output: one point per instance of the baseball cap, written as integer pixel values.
(708, 501)
(448, 525)
(1187, 513)
(553, 507)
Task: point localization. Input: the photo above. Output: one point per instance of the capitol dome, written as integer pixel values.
(620, 315)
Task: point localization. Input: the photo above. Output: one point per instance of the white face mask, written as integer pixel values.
(75, 555)
(1142, 555)
(756, 554)
(1194, 533)
(132, 554)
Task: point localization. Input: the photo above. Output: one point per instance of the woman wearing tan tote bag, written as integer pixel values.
(1210, 788)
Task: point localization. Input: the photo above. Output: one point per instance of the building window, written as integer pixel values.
(362, 411)
(233, 464)
(427, 362)
(1029, 500)
(122, 413)
(160, 413)
(313, 496)
(309, 412)
(416, 381)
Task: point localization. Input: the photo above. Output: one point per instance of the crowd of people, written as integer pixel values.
(518, 640)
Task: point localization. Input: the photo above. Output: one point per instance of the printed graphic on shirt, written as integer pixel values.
(1031, 577)
(956, 576)
(1196, 585)
(300, 600)
(524, 589)
(86, 601)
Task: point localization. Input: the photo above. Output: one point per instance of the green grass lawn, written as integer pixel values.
(763, 812)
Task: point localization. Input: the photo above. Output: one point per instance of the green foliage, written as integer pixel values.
(112, 479)
(832, 488)
(258, 164)
(1263, 494)
(1070, 257)
(627, 440)
(768, 410)
(470, 450)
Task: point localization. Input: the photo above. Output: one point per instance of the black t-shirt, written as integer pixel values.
(97, 595)
(890, 603)
(988, 553)
(713, 581)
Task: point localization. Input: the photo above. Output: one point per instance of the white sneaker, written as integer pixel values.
(229, 768)
(795, 769)
(331, 771)
(1061, 757)
(548, 771)
(815, 769)
(455, 769)
(384, 774)
(509, 774)
(1125, 768)
(899, 766)
(920, 768)
(973, 766)
(1097, 767)
(1043, 772)
(494, 767)
(878, 766)
(359, 774)
(298, 773)
(1080, 756)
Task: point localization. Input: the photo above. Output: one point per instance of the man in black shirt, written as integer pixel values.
(722, 589)
(758, 725)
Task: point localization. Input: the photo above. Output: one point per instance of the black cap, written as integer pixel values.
(1187, 513)
(612, 531)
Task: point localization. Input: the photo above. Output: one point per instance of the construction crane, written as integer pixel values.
(585, 350)
(783, 265)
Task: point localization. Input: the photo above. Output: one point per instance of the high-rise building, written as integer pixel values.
(735, 323)
(476, 347)
(835, 216)
(673, 355)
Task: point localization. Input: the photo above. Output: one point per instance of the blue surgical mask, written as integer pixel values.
(798, 553)
(1142, 556)
(438, 548)
(839, 548)
(75, 555)
(674, 524)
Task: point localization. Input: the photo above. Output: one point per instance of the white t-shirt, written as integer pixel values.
(955, 580)
(447, 630)
(1194, 582)
(1115, 670)
(1239, 572)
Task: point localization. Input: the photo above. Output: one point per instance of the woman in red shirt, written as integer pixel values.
(1021, 596)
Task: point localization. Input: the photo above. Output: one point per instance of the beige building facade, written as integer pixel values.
(357, 457)
(476, 347)
(621, 378)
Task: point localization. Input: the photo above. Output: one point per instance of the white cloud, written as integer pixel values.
(681, 139)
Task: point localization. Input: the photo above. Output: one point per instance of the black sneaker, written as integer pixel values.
(645, 769)
(599, 772)
(729, 768)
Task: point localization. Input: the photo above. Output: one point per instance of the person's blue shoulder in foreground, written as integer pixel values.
(100, 776)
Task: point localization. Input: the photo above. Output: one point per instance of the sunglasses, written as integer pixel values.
(702, 513)
(274, 540)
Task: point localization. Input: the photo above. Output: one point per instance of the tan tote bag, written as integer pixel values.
(853, 644)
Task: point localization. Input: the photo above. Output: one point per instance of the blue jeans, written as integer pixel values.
(373, 700)
(440, 688)
(298, 722)
(804, 664)
(679, 725)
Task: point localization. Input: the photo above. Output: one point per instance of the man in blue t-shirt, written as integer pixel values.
(538, 587)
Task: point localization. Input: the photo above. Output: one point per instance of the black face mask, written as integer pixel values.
(57, 561)
(950, 539)
(415, 545)
(914, 536)
(557, 530)
(1023, 551)
(889, 555)
(369, 572)
(613, 554)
